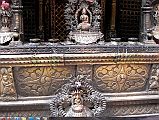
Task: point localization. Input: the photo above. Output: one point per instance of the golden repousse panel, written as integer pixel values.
(41, 81)
(121, 78)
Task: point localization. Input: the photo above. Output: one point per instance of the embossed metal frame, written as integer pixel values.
(75, 59)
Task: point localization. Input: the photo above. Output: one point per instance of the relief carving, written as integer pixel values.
(154, 78)
(35, 81)
(7, 90)
(121, 78)
(77, 99)
(133, 110)
(83, 21)
(85, 70)
(73, 7)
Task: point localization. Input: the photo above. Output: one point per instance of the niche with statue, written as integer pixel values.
(83, 21)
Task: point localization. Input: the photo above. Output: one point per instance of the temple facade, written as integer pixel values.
(79, 58)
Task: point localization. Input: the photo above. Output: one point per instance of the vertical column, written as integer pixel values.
(40, 15)
(53, 13)
(41, 27)
(142, 25)
(146, 22)
(146, 31)
(103, 4)
(113, 19)
(17, 14)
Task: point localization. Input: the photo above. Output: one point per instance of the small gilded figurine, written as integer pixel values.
(77, 108)
(5, 13)
(84, 25)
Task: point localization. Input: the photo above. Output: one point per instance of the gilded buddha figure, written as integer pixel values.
(84, 25)
(77, 108)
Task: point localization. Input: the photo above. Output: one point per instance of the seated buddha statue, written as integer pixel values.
(84, 25)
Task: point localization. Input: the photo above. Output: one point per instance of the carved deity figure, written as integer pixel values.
(7, 86)
(84, 25)
(6, 83)
(77, 108)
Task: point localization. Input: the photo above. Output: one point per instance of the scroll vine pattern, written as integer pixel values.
(35, 81)
(121, 78)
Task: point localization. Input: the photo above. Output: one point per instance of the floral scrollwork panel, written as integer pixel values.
(121, 78)
(7, 89)
(35, 81)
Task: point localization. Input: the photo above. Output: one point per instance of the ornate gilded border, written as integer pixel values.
(74, 59)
